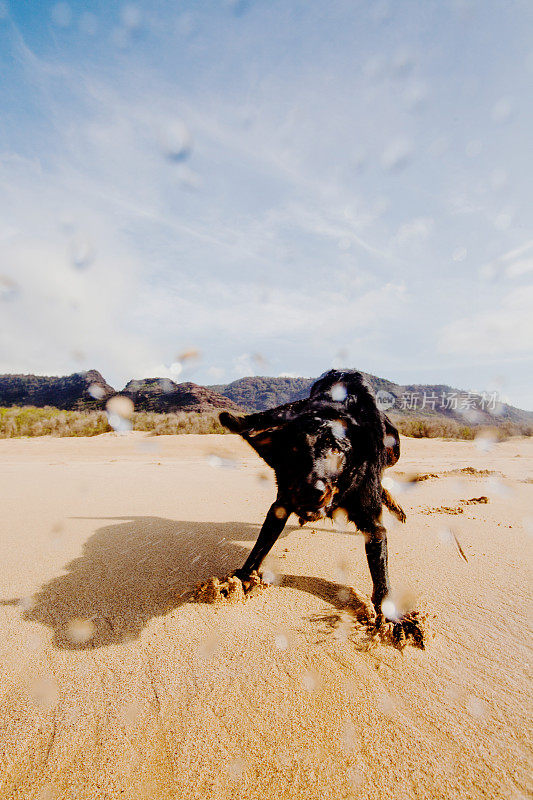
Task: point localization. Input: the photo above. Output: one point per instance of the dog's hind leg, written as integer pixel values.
(273, 525)
(394, 507)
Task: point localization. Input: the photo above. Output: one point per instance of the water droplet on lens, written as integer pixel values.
(27, 603)
(396, 155)
(80, 630)
(61, 15)
(236, 769)
(96, 391)
(131, 17)
(88, 23)
(44, 691)
(459, 254)
(82, 252)
(340, 518)
(176, 141)
(389, 609)
(502, 110)
(310, 681)
(119, 411)
(338, 392)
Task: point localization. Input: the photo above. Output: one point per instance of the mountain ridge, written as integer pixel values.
(89, 391)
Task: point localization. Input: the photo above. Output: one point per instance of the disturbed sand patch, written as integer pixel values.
(367, 626)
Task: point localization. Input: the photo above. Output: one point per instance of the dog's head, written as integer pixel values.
(310, 455)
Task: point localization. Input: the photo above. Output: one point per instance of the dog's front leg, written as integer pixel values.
(406, 625)
(273, 525)
(376, 554)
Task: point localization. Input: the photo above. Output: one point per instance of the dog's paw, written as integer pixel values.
(232, 589)
(401, 632)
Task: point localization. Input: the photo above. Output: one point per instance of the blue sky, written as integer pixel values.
(282, 185)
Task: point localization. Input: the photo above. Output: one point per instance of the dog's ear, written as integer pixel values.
(261, 430)
(231, 422)
(391, 441)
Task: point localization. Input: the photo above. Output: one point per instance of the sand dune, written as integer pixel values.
(115, 686)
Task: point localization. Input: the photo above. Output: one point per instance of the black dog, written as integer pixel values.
(329, 452)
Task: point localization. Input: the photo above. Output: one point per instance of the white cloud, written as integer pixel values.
(508, 330)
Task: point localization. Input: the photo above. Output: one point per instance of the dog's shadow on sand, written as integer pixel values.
(130, 571)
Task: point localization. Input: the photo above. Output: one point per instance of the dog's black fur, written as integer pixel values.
(328, 452)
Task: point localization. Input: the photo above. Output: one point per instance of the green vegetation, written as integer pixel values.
(422, 427)
(48, 421)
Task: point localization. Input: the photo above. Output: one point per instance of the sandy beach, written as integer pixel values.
(114, 685)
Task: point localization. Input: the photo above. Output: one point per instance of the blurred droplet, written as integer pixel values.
(119, 409)
(310, 681)
(338, 392)
(130, 712)
(388, 607)
(47, 792)
(166, 385)
(263, 477)
(192, 354)
(280, 512)
(175, 141)
(217, 462)
(498, 178)
(502, 110)
(348, 735)
(340, 519)
(236, 768)
(56, 530)
(396, 155)
(343, 629)
(208, 646)
(61, 15)
(131, 17)
(473, 148)
(374, 68)
(485, 440)
(385, 704)
(96, 391)
(44, 691)
(402, 62)
(459, 254)
(27, 603)
(342, 570)
(8, 288)
(259, 360)
(80, 630)
(503, 220)
(528, 525)
(495, 486)
(415, 96)
(88, 23)
(82, 252)
(281, 640)
(343, 594)
(270, 575)
(120, 404)
(476, 707)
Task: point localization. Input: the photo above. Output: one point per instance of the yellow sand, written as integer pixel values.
(114, 687)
